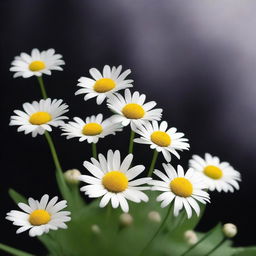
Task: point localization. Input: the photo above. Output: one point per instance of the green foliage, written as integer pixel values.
(16, 197)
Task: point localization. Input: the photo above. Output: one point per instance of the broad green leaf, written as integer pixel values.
(16, 197)
(245, 251)
(13, 251)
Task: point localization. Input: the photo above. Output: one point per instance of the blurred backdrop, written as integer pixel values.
(197, 59)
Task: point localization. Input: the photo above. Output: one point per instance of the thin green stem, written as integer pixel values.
(196, 244)
(59, 173)
(108, 212)
(94, 150)
(216, 247)
(131, 142)
(158, 231)
(42, 87)
(153, 163)
(13, 251)
(53, 151)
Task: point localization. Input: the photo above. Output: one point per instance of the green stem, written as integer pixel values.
(59, 173)
(216, 247)
(196, 244)
(94, 150)
(158, 230)
(13, 251)
(108, 212)
(153, 163)
(41, 83)
(131, 142)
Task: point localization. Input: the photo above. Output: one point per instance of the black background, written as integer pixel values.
(196, 60)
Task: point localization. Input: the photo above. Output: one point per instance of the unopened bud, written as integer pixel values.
(229, 230)
(95, 229)
(126, 219)
(71, 176)
(190, 237)
(154, 216)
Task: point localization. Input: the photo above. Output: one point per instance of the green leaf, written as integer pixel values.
(13, 251)
(245, 251)
(16, 197)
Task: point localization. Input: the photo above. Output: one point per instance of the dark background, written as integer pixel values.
(195, 58)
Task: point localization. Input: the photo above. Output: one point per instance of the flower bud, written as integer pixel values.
(229, 230)
(71, 176)
(95, 229)
(126, 219)
(154, 216)
(190, 237)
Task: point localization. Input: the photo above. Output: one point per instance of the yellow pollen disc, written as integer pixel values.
(40, 118)
(92, 129)
(133, 111)
(104, 85)
(181, 187)
(37, 65)
(213, 172)
(161, 139)
(115, 181)
(39, 217)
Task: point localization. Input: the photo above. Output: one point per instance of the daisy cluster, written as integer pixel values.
(111, 178)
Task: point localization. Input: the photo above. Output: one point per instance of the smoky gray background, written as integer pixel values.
(196, 59)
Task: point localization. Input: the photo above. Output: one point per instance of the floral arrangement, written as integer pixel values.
(132, 210)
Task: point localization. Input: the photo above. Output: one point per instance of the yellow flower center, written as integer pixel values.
(37, 65)
(40, 118)
(92, 129)
(104, 85)
(115, 181)
(213, 172)
(181, 187)
(39, 217)
(133, 111)
(161, 139)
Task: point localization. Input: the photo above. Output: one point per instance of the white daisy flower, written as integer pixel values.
(40, 216)
(114, 180)
(36, 64)
(184, 189)
(132, 109)
(92, 129)
(40, 116)
(164, 140)
(220, 176)
(103, 85)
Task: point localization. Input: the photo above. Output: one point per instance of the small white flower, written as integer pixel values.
(72, 175)
(36, 64)
(154, 216)
(114, 180)
(126, 219)
(229, 230)
(132, 109)
(163, 139)
(40, 216)
(220, 176)
(93, 129)
(191, 237)
(184, 189)
(103, 85)
(40, 116)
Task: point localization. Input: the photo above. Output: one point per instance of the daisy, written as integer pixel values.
(39, 116)
(92, 129)
(103, 85)
(132, 109)
(163, 139)
(36, 64)
(184, 189)
(113, 180)
(40, 216)
(218, 175)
